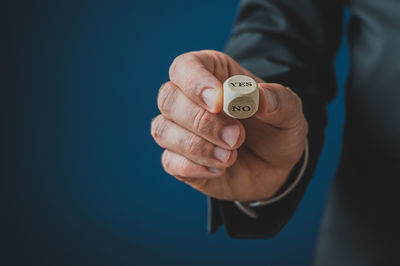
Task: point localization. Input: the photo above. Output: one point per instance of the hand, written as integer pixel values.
(222, 157)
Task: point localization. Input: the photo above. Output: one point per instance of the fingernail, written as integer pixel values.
(230, 134)
(221, 154)
(209, 96)
(213, 170)
(270, 100)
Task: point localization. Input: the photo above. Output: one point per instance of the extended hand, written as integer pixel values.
(220, 156)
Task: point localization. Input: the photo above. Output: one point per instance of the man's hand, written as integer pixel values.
(220, 156)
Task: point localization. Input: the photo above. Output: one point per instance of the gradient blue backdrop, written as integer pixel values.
(84, 184)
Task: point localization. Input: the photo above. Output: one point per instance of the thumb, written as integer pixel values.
(279, 106)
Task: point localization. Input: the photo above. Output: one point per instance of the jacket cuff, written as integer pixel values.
(214, 220)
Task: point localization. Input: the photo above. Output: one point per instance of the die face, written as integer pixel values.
(240, 96)
(242, 107)
(241, 84)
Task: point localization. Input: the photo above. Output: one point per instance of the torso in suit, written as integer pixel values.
(294, 43)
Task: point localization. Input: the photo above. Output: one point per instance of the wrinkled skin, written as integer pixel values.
(220, 156)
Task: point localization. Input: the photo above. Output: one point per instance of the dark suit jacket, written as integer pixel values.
(294, 43)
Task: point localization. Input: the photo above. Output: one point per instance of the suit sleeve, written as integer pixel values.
(292, 43)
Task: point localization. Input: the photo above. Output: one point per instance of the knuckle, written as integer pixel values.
(178, 61)
(194, 144)
(185, 168)
(166, 96)
(158, 126)
(161, 88)
(201, 120)
(172, 68)
(188, 63)
(207, 150)
(167, 162)
(213, 54)
(191, 81)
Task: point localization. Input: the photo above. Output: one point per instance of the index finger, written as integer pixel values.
(196, 82)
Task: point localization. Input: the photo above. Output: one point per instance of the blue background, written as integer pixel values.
(81, 175)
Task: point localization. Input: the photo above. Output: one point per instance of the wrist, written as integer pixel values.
(291, 182)
(293, 179)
